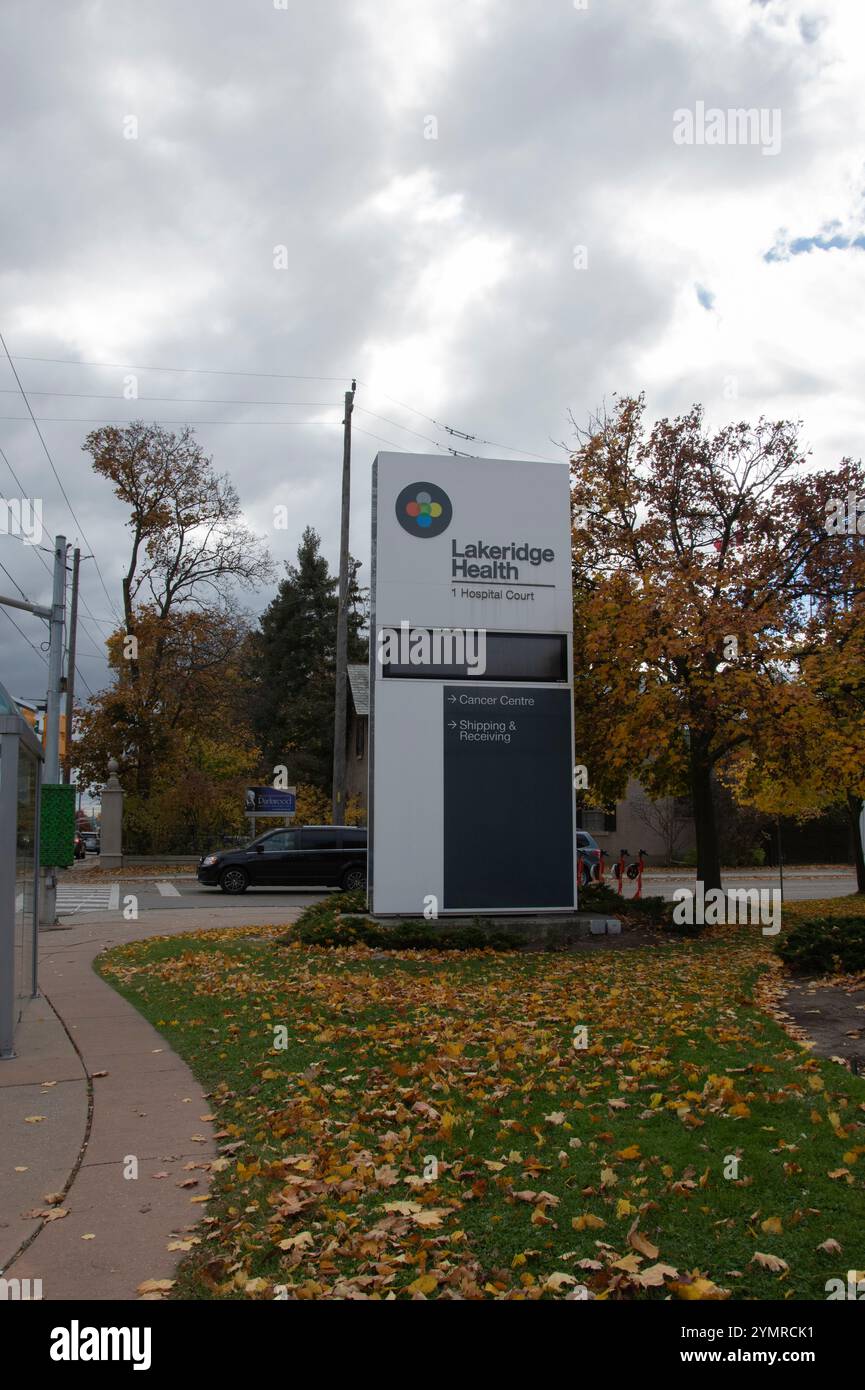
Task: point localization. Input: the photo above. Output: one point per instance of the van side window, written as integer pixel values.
(320, 839)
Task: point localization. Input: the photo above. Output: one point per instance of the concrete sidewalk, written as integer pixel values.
(93, 1088)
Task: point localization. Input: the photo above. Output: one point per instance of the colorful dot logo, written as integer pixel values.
(424, 510)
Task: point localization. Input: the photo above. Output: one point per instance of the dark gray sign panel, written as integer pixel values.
(508, 799)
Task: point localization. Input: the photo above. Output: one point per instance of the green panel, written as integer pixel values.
(57, 825)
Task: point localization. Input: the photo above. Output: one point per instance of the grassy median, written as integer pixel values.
(431, 1124)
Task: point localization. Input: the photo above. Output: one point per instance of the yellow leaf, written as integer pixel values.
(427, 1283)
(155, 1286)
(632, 1152)
(699, 1289)
(772, 1226)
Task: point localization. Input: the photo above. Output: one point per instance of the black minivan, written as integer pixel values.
(320, 856)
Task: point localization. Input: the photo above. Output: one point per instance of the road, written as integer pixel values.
(171, 894)
(799, 884)
(185, 893)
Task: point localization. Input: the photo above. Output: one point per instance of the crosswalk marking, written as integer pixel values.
(168, 890)
(71, 898)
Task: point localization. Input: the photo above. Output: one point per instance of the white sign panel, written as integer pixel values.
(471, 776)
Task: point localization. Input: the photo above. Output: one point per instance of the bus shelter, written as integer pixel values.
(20, 788)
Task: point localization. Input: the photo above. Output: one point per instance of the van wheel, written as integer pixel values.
(234, 881)
(353, 880)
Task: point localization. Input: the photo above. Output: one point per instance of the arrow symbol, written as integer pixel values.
(452, 699)
(452, 724)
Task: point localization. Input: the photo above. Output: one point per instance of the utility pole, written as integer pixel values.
(55, 663)
(70, 671)
(341, 701)
(51, 773)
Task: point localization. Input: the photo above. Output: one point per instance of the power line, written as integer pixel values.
(384, 419)
(20, 488)
(111, 420)
(455, 433)
(288, 376)
(15, 582)
(197, 371)
(391, 442)
(171, 400)
(40, 654)
(53, 469)
(27, 599)
(211, 400)
(37, 548)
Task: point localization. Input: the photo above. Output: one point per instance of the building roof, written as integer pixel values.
(8, 705)
(358, 679)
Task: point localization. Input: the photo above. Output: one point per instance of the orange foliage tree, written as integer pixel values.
(704, 576)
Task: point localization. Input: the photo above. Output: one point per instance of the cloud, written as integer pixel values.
(429, 171)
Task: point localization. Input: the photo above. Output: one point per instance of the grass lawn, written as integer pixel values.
(429, 1128)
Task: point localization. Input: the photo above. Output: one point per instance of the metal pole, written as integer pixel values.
(341, 698)
(9, 744)
(70, 667)
(27, 607)
(51, 773)
(55, 664)
(780, 855)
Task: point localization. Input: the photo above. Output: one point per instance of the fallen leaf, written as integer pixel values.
(160, 1286)
(639, 1242)
(588, 1223)
(771, 1262)
(427, 1283)
(772, 1226)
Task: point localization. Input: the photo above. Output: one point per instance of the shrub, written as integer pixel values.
(824, 945)
(600, 898)
(334, 922)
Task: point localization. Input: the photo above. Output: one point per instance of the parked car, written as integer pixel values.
(91, 841)
(589, 853)
(321, 856)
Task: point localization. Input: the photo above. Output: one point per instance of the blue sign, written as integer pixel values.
(271, 802)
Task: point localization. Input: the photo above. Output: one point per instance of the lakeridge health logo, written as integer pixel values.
(424, 510)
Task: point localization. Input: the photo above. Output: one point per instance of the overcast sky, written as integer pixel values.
(432, 173)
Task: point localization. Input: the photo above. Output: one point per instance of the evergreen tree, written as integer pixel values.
(292, 665)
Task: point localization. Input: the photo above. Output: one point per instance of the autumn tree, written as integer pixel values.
(695, 557)
(807, 747)
(188, 709)
(190, 550)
